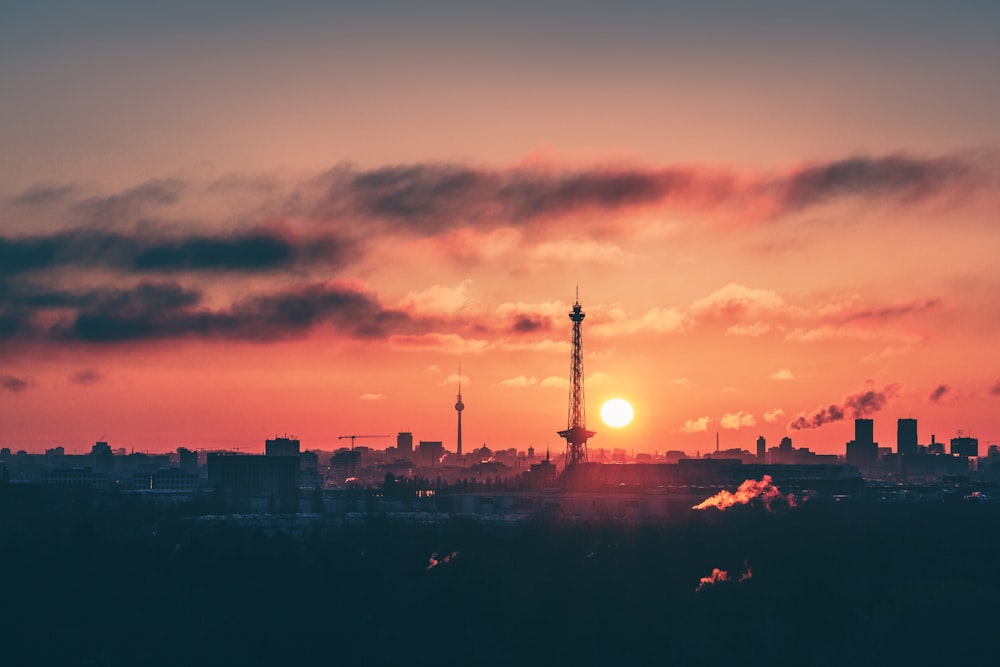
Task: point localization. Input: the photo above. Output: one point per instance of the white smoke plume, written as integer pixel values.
(719, 576)
(434, 560)
(763, 488)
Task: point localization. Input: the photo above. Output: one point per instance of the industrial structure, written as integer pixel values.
(459, 406)
(576, 433)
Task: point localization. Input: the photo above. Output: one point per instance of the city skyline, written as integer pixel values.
(217, 226)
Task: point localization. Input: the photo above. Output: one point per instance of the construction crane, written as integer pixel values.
(352, 437)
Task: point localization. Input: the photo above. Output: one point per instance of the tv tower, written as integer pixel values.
(459, 406)
(576, 432)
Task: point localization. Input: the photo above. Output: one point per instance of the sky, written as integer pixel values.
(223, 221)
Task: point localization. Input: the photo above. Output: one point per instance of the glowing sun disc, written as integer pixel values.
(616, 412)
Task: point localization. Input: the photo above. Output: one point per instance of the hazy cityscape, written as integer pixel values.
(808, 558)
(525, 333)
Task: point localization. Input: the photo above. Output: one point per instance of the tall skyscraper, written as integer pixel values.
(906, 437)
(863, 450)
(404, 443)
(576, 433)
(761, 449)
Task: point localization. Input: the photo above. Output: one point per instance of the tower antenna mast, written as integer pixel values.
(459, 406)
(576, 433)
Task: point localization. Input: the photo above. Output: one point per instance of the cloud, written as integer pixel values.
(860, 405)
(559, 346)
(372, 397)
(14, 384)
(580, 251)
(554, 381)
(657, 320)
(736, 420)
(772, 415)
(782, 374)
(519, 381)
(455, 379)
(131, 204)
(244, 252)
(995, 389)
(598, 379)
(438, 300)
(168, 310)
(44, 195)
(735, 302)
(894, 176)
(696, 425)
(86, 376)
(438, 342)
(431, 198)
(939, 393)
(753, 330)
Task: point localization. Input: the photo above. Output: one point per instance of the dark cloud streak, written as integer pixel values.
(939, 393)
(86, 377)
(246, 252)
(168, 311)
(13, 384)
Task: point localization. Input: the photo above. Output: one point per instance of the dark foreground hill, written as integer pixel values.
(823, 584)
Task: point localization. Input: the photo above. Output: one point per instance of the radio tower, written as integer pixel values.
(576, 432)
(459, 406)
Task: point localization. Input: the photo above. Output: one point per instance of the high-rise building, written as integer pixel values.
(863, 450)
(761, 449)
(965, 446)
(906, 437)
(281, 446)
(404, 443)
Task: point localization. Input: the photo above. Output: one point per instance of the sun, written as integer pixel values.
(616, 412)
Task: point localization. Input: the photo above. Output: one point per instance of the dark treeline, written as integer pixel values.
(108, 580)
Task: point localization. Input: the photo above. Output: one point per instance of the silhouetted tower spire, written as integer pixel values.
(459, 406)
(576, 432)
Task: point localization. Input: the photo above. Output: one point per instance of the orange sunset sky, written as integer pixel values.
(225, 221)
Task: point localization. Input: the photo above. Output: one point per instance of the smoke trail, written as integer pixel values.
(722, 576)
(434, 561)
(763, 488)
(717, 576)
(859, 405)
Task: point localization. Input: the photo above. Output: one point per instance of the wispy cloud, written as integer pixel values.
(86, 376)
(939, 393)
(169, 310)
(14, 384)
(135, 253)
(737, 420)
(698, 425)
(773, 415)
(782, 374)
(519, 381)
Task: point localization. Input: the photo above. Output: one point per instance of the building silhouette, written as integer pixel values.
(965, 446)
(404, 443)
(906, 437)
(281, 446)
(863, 450)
